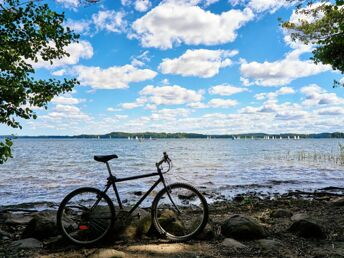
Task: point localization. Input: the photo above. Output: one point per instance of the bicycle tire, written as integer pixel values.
(92, 224)
(169, 222)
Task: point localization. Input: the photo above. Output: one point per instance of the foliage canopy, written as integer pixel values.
(323, 28)
(28, 32)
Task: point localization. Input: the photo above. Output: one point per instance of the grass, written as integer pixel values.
(336, 158)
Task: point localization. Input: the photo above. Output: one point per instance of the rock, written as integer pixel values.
(107, 253)
(138, 193)
(231, 243)
(238, 198)
(56, 242)
(307, 229)
(242, 228)
(299, 216)
(4, 235)
(168, 220)
(131, 227)
(208, 233)
(41, 226)
(269, 245)
(281, 213)
(17, 219)
(28, 243)
(187, 196)
(338, 201)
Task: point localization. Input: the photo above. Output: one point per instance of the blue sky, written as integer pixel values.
(206, 66)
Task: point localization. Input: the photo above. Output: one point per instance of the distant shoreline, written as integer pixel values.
(151, 135)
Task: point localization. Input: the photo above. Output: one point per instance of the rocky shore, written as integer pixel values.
(247, 226)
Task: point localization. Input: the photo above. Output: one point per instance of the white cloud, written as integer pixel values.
(65, 100)
(170, 23)
(268, 5)
(201, 62)
(170, 114)
(142, 5)
(115, 77)
(81, 26)
(315, 95)
(66, 112)
(275, 94)
(280, 72)
(111, 109)
(141, 59)
(69, 3)
(170, 95)
(226, 90)
(222, 103)
(109, 21)
(130, 105)
(60, 72)
(77, 51)
(331, 111)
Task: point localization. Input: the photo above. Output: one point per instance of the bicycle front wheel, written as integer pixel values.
(179, 212)
(86, 216)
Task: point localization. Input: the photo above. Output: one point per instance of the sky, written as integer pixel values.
(204, 66)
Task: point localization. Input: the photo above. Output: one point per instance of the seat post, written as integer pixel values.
(108, 168)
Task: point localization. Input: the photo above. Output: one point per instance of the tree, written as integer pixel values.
(324, 28)
(28, 31)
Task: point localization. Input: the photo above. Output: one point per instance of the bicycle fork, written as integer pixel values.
(168, 192)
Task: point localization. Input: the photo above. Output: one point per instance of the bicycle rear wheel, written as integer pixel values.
(179, 213)
(86, 216)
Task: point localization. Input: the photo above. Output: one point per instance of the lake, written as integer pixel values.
(47, 169)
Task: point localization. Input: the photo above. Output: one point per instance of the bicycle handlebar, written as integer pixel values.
(164, 159)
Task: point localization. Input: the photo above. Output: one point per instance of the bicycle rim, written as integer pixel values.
(180, 213)
(86, 216)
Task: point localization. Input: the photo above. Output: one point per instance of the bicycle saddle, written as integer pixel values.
(105, 158)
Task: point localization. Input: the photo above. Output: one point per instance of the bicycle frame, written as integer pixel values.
(112, 180)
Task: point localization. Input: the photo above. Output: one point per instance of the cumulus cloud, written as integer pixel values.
(142, 5)
(275, 94)
(331, 111)
(201, 63)
(226, 90)
(170, 95)
(315, 95)
(115, 77)
(65, 100)
(69, 3)
(222, 103)
(81, 50)
(109, 21)
(268, 5)
(81, 26)
(169, 24)
(66, 112)
(280, 72)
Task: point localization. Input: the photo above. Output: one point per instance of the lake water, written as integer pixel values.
(47, 169)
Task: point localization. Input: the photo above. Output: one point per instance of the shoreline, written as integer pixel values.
(279, 218)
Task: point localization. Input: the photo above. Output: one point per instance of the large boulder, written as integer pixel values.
(169, 221)
(242, 228)
(232, 244)
(27, 243)
(41, 226)
(132, 226)
(16, 218)
(307, 229)
(208, 233)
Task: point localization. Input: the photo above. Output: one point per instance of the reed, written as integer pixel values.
(332, 157)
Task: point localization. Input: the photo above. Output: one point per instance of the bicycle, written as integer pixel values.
(179, 211)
